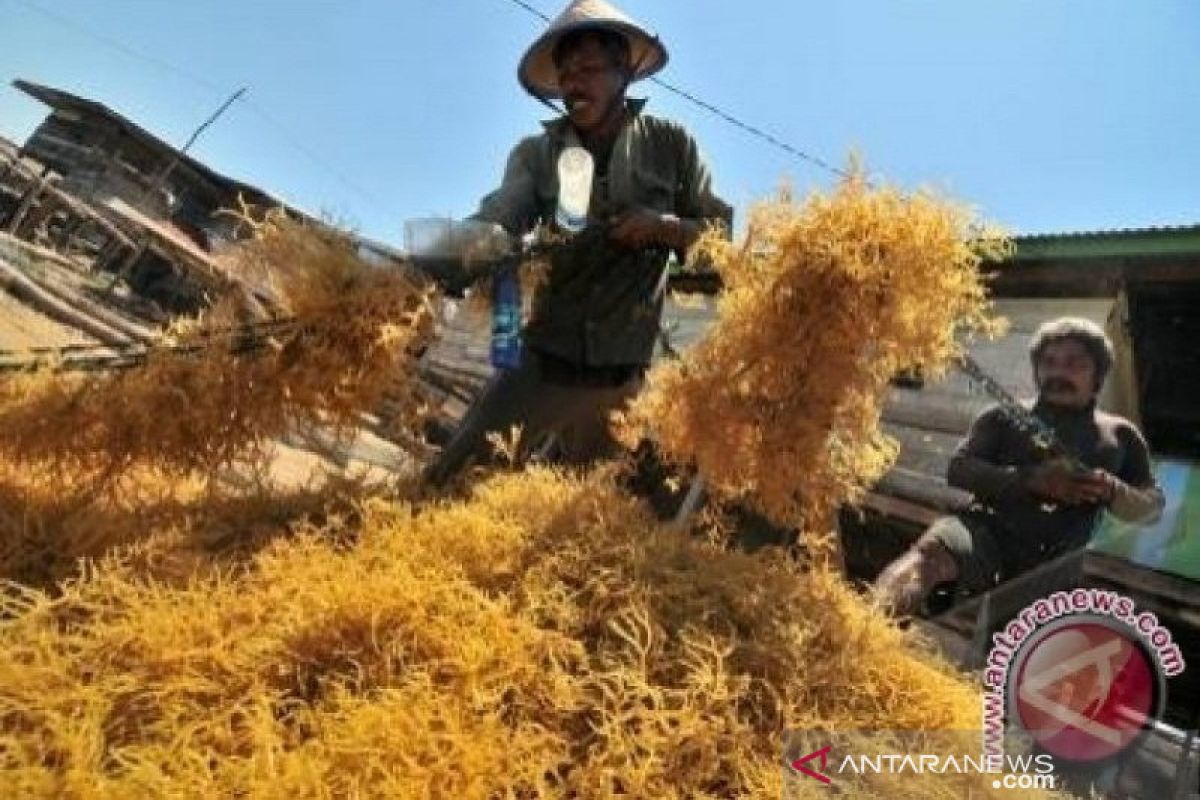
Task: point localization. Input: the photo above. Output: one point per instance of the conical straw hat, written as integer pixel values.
(537, 72)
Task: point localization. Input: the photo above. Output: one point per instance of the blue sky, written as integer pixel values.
(1046, 114)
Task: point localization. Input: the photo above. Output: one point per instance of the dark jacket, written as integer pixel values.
(994, 463)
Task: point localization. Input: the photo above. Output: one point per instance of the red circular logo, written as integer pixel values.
(1084, 688)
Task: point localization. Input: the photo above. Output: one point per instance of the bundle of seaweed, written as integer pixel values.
(825, 302)
(350, 337)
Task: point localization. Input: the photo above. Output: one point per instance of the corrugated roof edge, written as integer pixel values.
(1166, 240)
(1153, 229)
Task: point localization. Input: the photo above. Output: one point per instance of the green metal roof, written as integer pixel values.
(1122, 242)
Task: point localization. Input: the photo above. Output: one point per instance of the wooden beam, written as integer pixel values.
(1178, 590)
(901, 509)
(26, 249)
(932, 410)
(27, 201)
(923, 489)
(107, 316)
(22, 287)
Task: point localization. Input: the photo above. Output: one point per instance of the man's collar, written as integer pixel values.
(1046, 409)
(557, 128)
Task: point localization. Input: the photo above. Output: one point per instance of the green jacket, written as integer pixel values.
(604, 308)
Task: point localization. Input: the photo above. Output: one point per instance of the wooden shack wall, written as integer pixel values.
(99, 159)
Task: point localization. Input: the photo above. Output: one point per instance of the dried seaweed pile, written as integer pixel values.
(825, 301)
(350, 336)
(544, 638)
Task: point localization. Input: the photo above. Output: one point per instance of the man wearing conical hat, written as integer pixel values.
(596, 319)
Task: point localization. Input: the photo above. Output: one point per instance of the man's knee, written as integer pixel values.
(904, 583)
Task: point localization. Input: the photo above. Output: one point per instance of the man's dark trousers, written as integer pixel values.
(545, 395)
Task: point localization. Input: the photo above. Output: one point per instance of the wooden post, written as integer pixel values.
(110, 249)
(76, 220)
(127, 265)
(41, 214)
(15, 162)
(27, 201)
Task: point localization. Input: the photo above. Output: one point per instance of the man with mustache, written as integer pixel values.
(595, 321)
(1030, 508)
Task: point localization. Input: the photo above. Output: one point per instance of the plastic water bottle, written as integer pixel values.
(575, 172)
(506, 320)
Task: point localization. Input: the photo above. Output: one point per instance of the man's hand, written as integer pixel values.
(643, 227)
(1106, 485)
(1058, 482)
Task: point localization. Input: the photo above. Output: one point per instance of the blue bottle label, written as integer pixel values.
(506, 321)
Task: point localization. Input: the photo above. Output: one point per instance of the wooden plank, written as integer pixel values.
(27, 201)
(933, 410)
(923, 451)
(1178, 590)
(363, 445)
(22, 328)
(102, 313)
(924, 489)
(900, 509)
(20, 249)
(20, 286)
